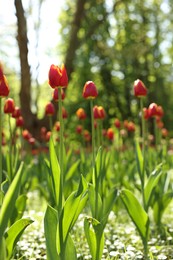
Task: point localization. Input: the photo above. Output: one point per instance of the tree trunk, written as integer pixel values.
(74, 41)
(25, 90)
(31, 122)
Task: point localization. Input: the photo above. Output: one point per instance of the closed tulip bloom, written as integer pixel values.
(102, 112)
(64, 113)
(152, 109)
(90, 90)
(96, 112)
(26, 134)
(131, 127)
(16, 113)
(20, 121)
(110, 133)
(49, 109)
(99, 112)
(117, 123)
(48, 135)
(57, 126)
(125, 123)
(9, 106)
(139, 88)
(4, 88)
(58, 76)
(81, 114)
(87, 135)
(79, 129)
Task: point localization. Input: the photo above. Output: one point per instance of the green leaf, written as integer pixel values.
(50, 228)
(161, 204)
(99, 162)
(56, 174)
(72, 170)
(140, 161)
(70, 250)
(95, 237)
(108, 203)
(151, 184)
(136, 212)
(3, 254)
(95, 202)
(72, 208)
(13, 234)
(9, 201)
(19, 209)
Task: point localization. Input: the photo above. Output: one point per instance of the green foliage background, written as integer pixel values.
(119, 41)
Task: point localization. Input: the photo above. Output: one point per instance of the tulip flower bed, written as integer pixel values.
(107, 197)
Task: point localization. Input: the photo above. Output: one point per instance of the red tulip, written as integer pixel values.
(146, 113)
(79, 129)
(110, 133)
(16, 113)
(81, 114)
(9, 106)
(90, 90)
(64, 113)
(99, 112)
(49, 109)
(152, 109)
(4, 88)
(20, 121)
(26, 134)
(57, 126)
(131, 127)
(58, 76)
(48, 135)
(117, 123)
(125, 123)
(139, 88)
(87, 135)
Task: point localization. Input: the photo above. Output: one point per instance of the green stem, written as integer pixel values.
(61, 147)
(143, 151)
(145, 250)
(143, 126)
(156, 133)
(10, 150)
(95, 179)
(93, 135)
(61, 130)
(0, 147)
(50, 123)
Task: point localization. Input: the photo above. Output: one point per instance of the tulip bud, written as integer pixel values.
(139, 88)
(90, 90)
(9, 106)
(58, 76)
(4, 88)
(49, 109)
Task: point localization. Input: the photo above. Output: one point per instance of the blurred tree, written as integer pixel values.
(31, 121)
(118, 42)
(112, 43)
